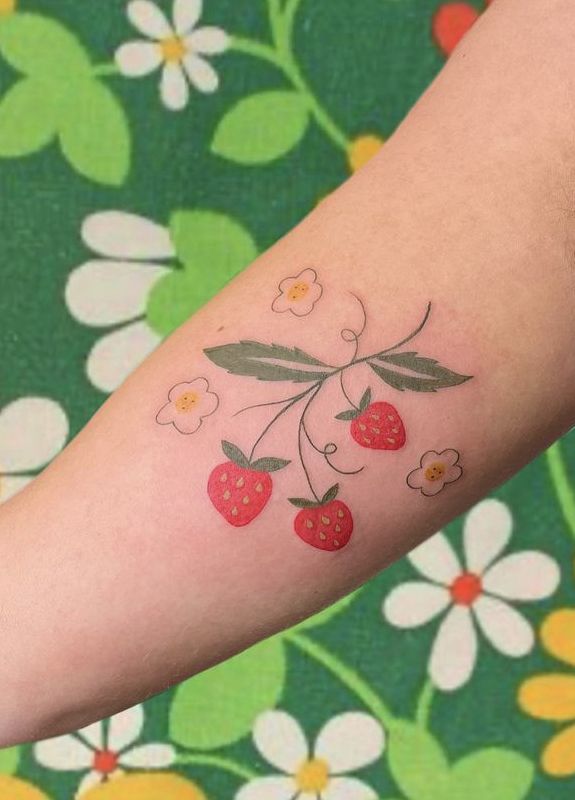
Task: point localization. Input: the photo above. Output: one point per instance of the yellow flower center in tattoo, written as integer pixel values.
(187, 402)
(435, 471)
(298, 291)
(312, 776)
(7, 6)
(173, 49)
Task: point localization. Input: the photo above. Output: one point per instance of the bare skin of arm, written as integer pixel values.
(124, 571)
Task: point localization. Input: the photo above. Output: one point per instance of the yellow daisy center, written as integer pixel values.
(173, 49)
(7, 6)
(435, 471)
(362, 150)
(312, 776)
(298, 291)
(187, 402)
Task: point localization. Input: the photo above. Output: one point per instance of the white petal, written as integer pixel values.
(63, 753)
(135, 59)
(269, 788)
(11, 485)
(116, 355)
(125, 727)
(486, 533)
(93, 734)
(280, 740)
(149, 756)
(101, 293)
(201, 74)
(32, 431)
(436, 559)
(454, 651)
(88, 782)
(507, 630)
(208, 41)
(174, 87)
(117, 234)
(186, 15)
(350, 741)
(529, 575)
(149, 20)
(415, 603)
(348, 789)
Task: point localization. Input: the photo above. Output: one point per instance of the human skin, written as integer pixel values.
(120, 577)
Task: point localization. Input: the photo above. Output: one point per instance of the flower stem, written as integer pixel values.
(348, 677)
(105, 70)
(424, 703)
(562, 484)
(219, 762)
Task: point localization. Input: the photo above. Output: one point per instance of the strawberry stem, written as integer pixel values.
(290, 402)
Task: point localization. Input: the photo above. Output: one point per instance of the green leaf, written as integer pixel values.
(219, 706)
(40, 46)
(269, 464)
(417, 762)
(347, 415)
(262, 127)
(365, 399)
(94, 133)
(420, 375)
(327, 614)
(259, 361)
(10, 760)
(27, 118)
(302, 502)
(494, 773)
(234, 453)
(331, 494)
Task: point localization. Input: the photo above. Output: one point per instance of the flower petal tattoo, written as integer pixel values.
(435, 471)
(298, 294)
(188, 404)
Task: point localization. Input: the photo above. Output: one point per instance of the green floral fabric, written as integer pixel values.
(148, 152)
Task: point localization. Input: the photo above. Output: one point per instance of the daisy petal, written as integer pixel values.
(186, 15)
(149, 20)
(32, 431)
(486, 532)
(199, 385)
(269, 788)
(125, 727)
(174, 87)
(201, 74)
(116, 355)
(559, 755)
(507, 630)
(149, 756)
(454, 651)
(558, 634)
(11, 485)
(350, 741)
(117, 234)
(93, 734)
(135, 59)
(414, 603)
(529, 575)
(89, 781)
(187, 423)
(550, 697)
(208, 41)
(348, 789)
(63, 753)
(280, 740)
(436, 559)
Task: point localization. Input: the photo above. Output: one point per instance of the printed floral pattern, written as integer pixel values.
(298, 294)
(435, 471)
(188, 404)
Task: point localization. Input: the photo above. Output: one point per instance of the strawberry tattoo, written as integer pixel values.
(239, 488)
(326, 524)
(377, 426)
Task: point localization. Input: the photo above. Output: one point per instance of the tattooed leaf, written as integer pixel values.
(302, 502)
(269, 464)
(347, 415)
(331, 494)
(268, 362)
(234, 453)
(365, 399)
(409, 371)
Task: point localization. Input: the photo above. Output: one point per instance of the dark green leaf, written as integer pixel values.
(347, 415)
(302, 502)
(260, 361)
(418, 374)
(331, 494)
(27, 118)
(234, 453)
(365, 400)
(269, 464)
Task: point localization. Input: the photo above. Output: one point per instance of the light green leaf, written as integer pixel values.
(42, 47)
(495, 773)
(262, 127)
(219, 706)
(94, 133)
(327, 614)
(27, 118)
(9, 760)
(417, 762)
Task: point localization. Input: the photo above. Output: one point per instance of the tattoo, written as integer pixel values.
(298, 294)
(188, 404)
(435, 471)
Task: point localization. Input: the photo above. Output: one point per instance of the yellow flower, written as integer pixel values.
(142, 786)
(15, 789)
(7, 7)
(362, 150)
(552, 696)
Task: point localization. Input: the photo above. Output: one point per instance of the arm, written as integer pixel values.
(140, 535)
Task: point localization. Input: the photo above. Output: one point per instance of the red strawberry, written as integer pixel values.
(239, 489)
(327, 524)
(450, 23)
(377, 426)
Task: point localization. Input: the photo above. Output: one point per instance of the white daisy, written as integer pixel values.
(32, 431)
(178, 47)
(113, 291)
(474, 596)
(347, 742)
(102, 754)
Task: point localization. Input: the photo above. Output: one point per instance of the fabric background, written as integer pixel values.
(80, 138)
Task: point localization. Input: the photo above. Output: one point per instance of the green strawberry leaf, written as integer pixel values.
(331, 494)
(10, 760)
(365, 399)
(262, 127)
(496, 773)
(302, 502)
(417, 762)
(420, 374)
(347, 415)
(269, 464)
(27, 118)
(94, 133)
(219, 706)
(259, 361)
(41, 47)
(234, 454)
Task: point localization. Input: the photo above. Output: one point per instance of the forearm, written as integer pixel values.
(464, 209)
